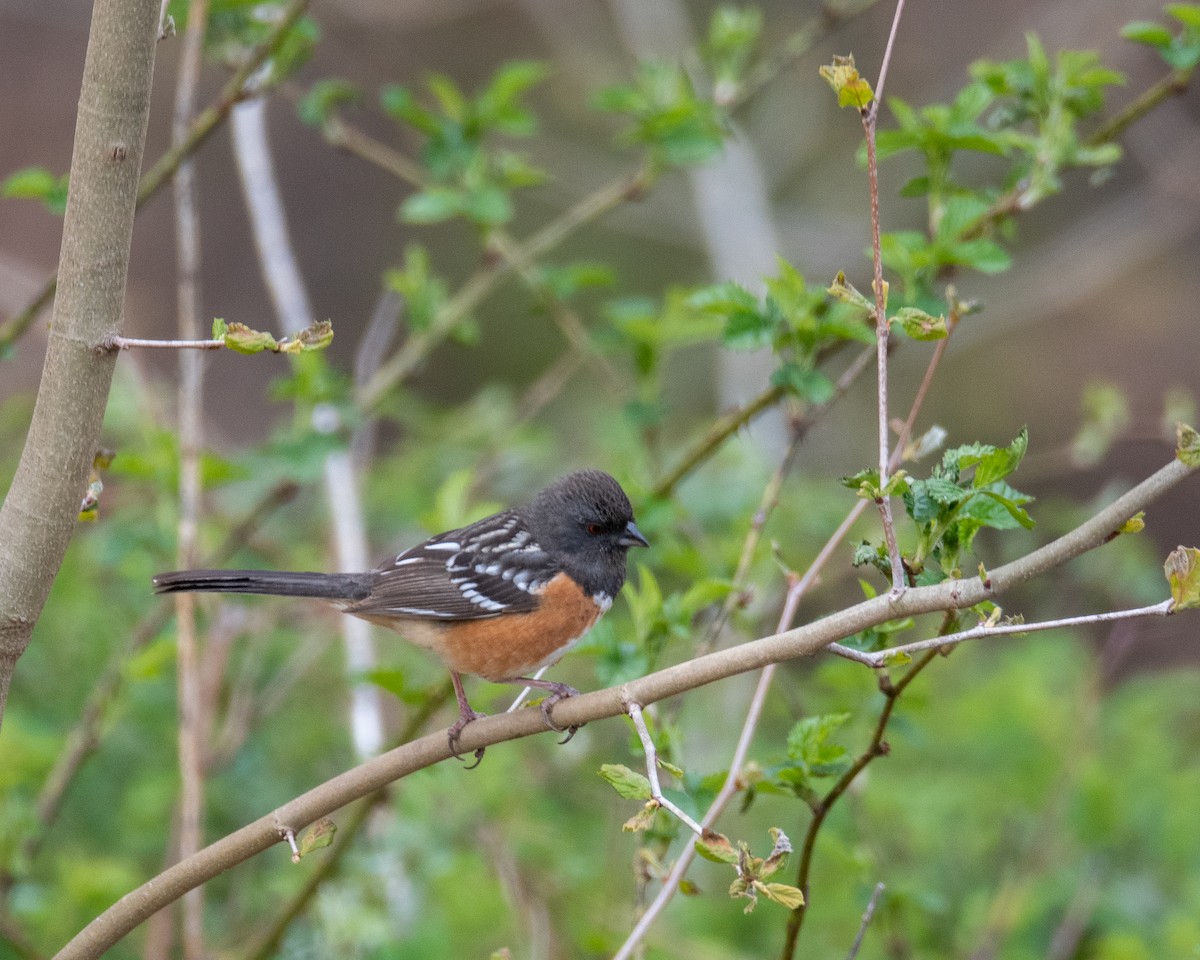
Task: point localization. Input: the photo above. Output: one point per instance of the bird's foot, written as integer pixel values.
(455, 731)
(558, 693)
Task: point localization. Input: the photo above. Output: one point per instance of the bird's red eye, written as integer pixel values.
(594, 529)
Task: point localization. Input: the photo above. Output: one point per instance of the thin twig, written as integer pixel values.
(887, 56)
(194, 713)
(1174, 84)
(867, 916)
(639, 723)
(130, 343)
(820, 809)
(882, 325)
(201, 128)
(882, 658)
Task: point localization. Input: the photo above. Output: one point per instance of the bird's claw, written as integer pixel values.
(559, 692)
(455, 731)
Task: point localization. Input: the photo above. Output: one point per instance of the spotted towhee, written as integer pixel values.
(499, 598)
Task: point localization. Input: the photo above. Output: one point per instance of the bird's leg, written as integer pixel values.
(465, 716)
(558, 693)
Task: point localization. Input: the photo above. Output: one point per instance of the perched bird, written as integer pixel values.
(498, 598)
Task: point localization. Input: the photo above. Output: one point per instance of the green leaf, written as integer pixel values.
(846, 293)
(998, 463)
(242, 339)
(920, 325)
(1186, 13)
(37, 183)
(810, 384)
(1135, 524)
(488, 206)
(783, 894)
(433, 205)
(717, 848)
(1010, 506)
(809, 744)
(319, 105)
(319, 835)
(1182, 568)
(1187, 445)
(852, 90)
(628, 783)
(1147, 32)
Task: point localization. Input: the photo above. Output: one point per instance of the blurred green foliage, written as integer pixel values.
(1022, 784)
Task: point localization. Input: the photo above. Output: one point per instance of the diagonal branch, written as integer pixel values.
(109, 928)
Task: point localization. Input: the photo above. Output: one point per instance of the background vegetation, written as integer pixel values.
(1027, 796)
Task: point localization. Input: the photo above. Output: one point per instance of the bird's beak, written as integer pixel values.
(632, 537)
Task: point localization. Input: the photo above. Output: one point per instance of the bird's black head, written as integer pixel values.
(586, 522)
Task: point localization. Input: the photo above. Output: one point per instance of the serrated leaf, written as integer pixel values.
(998, 463)
(628, 783)
(783, 894)
(717, 848)
(1182, 568)
(1011, 507)
(1187, 445)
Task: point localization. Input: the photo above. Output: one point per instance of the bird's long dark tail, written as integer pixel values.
(322, 586)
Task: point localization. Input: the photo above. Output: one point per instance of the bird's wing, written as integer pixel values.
(483, 570)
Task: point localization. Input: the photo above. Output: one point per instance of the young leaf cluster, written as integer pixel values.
(965, 493)
(471, 176)
(1026, 113)
(1181, 50)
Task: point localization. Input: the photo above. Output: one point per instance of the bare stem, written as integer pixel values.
(881, 658)
(131, 343)
(882, 326)
(201, 128)
(192, 709)
(639, 723)
(887, 57)
(867, 916)
(875, 748)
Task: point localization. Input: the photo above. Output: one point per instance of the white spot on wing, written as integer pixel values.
(450, 546)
